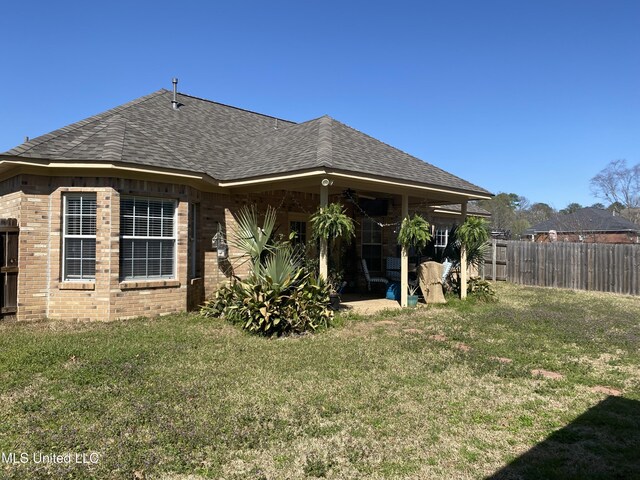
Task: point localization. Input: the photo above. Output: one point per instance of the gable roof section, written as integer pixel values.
(228, 143)
(586, 220)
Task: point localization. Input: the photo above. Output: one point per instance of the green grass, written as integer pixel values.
(377, 397)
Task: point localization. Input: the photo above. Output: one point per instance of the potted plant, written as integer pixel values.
(328, 224)
(336, 284)
(412, 298)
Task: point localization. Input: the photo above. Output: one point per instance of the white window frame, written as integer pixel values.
(65, 215)
(173, 238)
(441, 237)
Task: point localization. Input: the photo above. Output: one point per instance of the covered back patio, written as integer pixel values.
(376, 204)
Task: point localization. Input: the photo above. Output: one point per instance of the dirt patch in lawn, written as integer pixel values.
(502, 359)
(547, 374)
(411, 330)
(606, 390)
(438, 338)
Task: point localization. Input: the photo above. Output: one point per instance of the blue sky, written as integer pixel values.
(531, 97)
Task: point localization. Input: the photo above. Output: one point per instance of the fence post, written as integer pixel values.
(494, 258)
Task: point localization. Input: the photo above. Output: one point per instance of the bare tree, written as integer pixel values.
(619, 183)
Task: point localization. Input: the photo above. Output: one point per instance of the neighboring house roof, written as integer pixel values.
(228, 143)
(585, 220)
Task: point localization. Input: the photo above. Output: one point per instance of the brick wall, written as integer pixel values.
(37, 202)
(42, 293)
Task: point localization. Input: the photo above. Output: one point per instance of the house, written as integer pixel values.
(589, 225)
(121, 214)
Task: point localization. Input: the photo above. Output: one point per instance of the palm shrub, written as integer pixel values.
(475, 242)
(280, 295)
(473, 234)
(251, 238)
(261, 308)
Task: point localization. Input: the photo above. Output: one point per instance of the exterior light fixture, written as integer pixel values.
(219, 243)
(326, 182)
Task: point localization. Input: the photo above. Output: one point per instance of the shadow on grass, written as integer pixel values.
(602, 443)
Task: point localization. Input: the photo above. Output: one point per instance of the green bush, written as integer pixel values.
(281, 295)
(481, 290)
(260, 308)
(477, 288)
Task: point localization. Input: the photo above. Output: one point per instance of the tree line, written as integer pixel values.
(617, 185)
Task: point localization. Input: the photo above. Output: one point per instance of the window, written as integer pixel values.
(441, 237)
(147, 229)
(372, 244)
(300, 229)
(79, 237)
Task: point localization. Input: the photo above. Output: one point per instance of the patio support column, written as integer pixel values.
(324, 259)
(404, 259)
(463, 257)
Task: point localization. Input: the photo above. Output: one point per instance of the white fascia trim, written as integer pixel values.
(241, 183)
(407, 185)
(103, 166)
(450, 212)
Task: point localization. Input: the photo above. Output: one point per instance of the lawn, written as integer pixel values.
(442, 392)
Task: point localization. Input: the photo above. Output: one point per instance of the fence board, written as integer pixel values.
(581, 266)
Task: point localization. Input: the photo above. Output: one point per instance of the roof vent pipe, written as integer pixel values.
(174, 102)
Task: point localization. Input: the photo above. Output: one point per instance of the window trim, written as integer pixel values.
(436, 236)
(63, 253)
(194, 247)
(173, 238)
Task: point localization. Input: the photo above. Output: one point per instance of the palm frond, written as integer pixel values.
(251, 238)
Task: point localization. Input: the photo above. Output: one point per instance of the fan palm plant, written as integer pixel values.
(280, 269)
(251, 238)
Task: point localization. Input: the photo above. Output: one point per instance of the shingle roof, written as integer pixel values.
(586, 220)
(228, 143)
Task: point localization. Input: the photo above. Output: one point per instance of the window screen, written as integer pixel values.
(147, 229)
(79, 237)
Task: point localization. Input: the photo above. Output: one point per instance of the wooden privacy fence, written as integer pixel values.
(581, 266)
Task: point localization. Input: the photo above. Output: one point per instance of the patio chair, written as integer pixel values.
(393, 269)
(371, 279)
(447, 264)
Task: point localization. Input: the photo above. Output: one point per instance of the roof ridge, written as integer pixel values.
(116, 133)
(237, 108)
(325, 141)
(22, 149)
